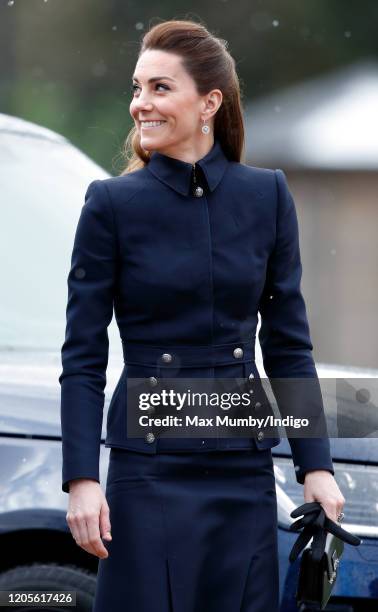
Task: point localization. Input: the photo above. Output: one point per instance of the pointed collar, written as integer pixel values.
(177, 173)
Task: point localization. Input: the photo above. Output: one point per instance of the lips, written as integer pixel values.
(149, 127)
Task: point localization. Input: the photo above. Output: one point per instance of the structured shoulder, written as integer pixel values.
(253, 180)
(123, 188)
(256, 171)
(252, 174)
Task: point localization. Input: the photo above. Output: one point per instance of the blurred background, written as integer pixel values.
(309, 78)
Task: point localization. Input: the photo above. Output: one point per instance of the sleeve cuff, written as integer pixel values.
(69, 474)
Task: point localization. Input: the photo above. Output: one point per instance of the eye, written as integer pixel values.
(162, 85)
(134, 87)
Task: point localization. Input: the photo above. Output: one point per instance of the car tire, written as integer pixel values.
(49, 577)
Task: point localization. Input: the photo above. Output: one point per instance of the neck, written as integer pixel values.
(188, 152)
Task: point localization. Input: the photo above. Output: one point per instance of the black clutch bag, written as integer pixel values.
(316, 578)
(320, 559)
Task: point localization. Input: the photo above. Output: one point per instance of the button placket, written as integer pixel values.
(249, 377)
(197, 190)
(153, 382)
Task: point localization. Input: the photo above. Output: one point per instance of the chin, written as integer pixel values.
(151, 143)
(147, 145)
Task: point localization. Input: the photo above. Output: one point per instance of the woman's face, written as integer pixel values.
(172, 99)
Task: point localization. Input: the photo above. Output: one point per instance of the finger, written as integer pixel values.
(94, 537)
(105, 527)
(73, 521)
(74, 531)
(330, 513)
(339, 511)
(71, 525)
(81, 527)
(85, 543)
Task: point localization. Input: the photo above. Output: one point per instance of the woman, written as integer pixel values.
(188, 244)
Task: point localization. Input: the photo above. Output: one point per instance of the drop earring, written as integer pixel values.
(205, 128)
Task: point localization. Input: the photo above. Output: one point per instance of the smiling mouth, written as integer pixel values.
(151, 127)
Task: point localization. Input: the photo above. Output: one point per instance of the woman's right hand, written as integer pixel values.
(88, 516)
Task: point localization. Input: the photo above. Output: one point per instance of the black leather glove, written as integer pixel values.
(315, 523)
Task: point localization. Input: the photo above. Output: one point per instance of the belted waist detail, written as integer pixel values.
(188, 355)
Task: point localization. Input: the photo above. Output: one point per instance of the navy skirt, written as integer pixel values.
(191, 532)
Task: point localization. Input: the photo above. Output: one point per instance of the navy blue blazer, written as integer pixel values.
(187, 254)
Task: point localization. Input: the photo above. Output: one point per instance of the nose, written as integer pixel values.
(142, 103)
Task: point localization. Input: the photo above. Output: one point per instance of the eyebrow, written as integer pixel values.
(152, 79)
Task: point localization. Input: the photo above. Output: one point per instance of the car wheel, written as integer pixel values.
(49, 577)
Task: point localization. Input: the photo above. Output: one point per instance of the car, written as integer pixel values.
(355, 461)
(43, 181)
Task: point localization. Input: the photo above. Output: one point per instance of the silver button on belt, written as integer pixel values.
(150, 437)
(251, 376)
(153, 381)
(238, 353)
(260, 435)
(166, 357)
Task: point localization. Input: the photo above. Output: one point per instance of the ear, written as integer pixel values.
(212, 102)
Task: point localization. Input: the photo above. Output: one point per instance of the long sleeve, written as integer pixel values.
(285, 337)
(91, 281)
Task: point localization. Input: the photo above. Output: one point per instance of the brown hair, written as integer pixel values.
(207, 60)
